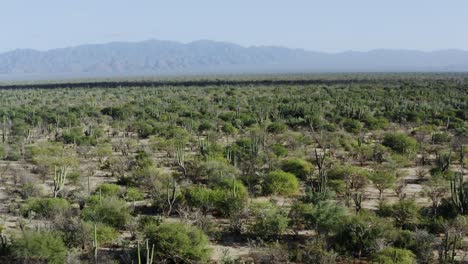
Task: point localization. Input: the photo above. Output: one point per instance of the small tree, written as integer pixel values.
(436, 188)
(382, 180)
(405, 213)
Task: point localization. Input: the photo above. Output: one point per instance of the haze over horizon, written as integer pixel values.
(331, 26)
(228, 42)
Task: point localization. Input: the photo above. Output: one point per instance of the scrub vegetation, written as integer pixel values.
(350, 168)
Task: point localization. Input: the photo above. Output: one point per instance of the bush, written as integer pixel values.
(227, 197)
(326, 217)
(37, 247)
(76, 136)
(282, 183)
(229, 129)
(134, 194)
(440, 138)
(276, 128)
(270, 221)
(405, 214)
(45, 207)
(298, 167)
(178, 243)
(30, 189)
(108, 210)
(392, 255)
(400, 143)
(203, 198)
(279, 150)
(108, 189)
(352, 126)
(314, 251)
(374, 123)
(216, 171)
(359, 234)
(298, 213)
(105, 234)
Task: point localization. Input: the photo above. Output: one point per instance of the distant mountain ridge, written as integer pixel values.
(154, 57)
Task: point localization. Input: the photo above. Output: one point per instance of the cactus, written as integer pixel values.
(255, 145)
(171, 195)
(459, 191)
(95, 245)
(444, 161)
(180, 159)
(3, 242)
(459, 188)
(189, 124)
(232, 157)
(149, 253)
(60, 176)
(322, 179)
(203, 145)
(4, 132)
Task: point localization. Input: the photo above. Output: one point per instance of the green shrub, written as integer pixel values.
(215, 171)
(77, 136)
(352, 126)
(299, 167)
(440, 138)
(203, 198)
(108, 189)
(405, 214)
(400, 143)
(105, 234)
(229, 129)
(270, 221)
(276, 128)
(342, 172)
(74, 177)
(45, 207)
(392, 255)
(108, 210)
(227, 197)
(359, 234)
(14, 153)
(134, 194)
(280, 182)
(30, 189)
(374, 123)
(298, 213)
(178, 243)
(326, 217)
(37, 247)
(279, 150)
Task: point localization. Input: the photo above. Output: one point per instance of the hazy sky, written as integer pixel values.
(326, 25)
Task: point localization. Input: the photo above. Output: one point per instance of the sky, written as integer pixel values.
(326, 25)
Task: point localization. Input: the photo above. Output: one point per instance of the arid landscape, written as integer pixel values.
(333, 168)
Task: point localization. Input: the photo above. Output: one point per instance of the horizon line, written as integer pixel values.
(232, 43)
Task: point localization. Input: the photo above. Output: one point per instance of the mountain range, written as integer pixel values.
(157, 57)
